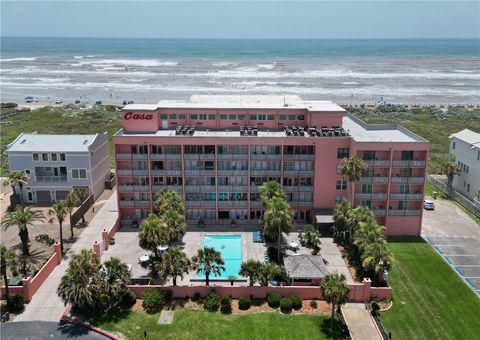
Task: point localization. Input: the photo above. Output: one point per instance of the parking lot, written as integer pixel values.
(456, 237)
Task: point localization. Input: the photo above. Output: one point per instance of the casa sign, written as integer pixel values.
(137, 116)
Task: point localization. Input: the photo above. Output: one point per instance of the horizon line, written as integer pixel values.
(245, 38)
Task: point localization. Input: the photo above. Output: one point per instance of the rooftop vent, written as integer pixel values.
(85, 141)
(23, 141)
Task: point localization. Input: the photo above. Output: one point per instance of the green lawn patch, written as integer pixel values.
(430, 301)
(193, 324)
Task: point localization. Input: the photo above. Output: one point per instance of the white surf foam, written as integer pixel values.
(19, 59)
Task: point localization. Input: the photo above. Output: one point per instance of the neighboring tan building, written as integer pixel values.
(55, 164)
(217, 151)
(465, 147)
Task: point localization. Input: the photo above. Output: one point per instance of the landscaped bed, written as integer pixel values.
(430, 301)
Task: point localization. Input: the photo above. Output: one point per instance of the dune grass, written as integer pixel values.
(430, 300)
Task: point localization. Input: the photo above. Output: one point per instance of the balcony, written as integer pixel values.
(127, 156)
(374, 179)
(379, 212)
(300, 204)
(297, 188)
(265, 172)
(200, 173)
(404, 212)
(294, 173)
(124, 172)
(233, 172)
(256, 204)
(141, 188)
(177, 188)
(232, 203)
(406, 164)
(410, 180)
(125, 188)
(126, 203)
(254, 188)
(141, 203)
(190, 204)
(373, 163)
(157, 172)
(163, 156)
(200, 188)
(265, 157)
(53, 179)
(410, 196)
(232, 156)
(232, 188)
(298, 157)
(200, 156)
(371, 196)
(140, 172)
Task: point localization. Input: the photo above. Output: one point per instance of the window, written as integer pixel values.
(62, 157)
(211, 117)
(467, 169)
(292, 117)
(262, 117)
(35, 156)
(468, 187)
(368, 155)
(202, 116)
(342, 153)
(340, 198)
(45, 157)
(407, 155)
(402, 205)
(173, 116)
(464, 184)
(30, 196)
(194, 116)
(253, 117)
(79, 173)
(27, 171)
(223, 117)
(283, 117)
(366, 188)
(181, 116)
(54, 157)
(453, 145)
(241, 117)
(478, 156)
(271, 117)
(341, 184)
(232, 117)
(301, 117)
(163, 116)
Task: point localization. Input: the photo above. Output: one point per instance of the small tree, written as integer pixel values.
(113, 279)
(251, 269)
(341, 217)
(353, 168)
(451, 169)
(168, 200)
(175, 226)
(277, 219)
(80, 194)
(17, 178)
(335, 291)
(7, 260)
(152, 234)
(208, 261)
(69, 202)
(174, 263)
(269, 190)
(59, 211)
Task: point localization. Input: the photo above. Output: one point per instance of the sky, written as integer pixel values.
(246, 19)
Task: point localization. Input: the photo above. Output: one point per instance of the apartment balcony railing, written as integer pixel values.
(263, 157)
(233, 172)
(400, 196)
(126, 203)
(141, 203)
(199, 203)
(177, 188)
(404, 212)
(176, 172)
(233, 188)
(373, 163)
(411, 180)
(200, 188)
(254, 172)
(374, 179)
(254, 188)
(300, 204)
(165, 156)
(124, 172)
(232, 156)
(200, 156)
(140, 172)
(405, 164)
(256, 204)
(125, 188)
(127, 156)
(54, 179)
(199, 172)
(379, 212)
(232, 203)
(141, 188)
(371, 196)
(288, 173)
(297, 188)
(298, 157)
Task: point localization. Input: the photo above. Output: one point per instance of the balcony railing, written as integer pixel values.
(263, 157)
(54, 179)
(300, 204)
(264, 172)
(232, 156)
(166, 172)
(374, 179)
(296, 188)
(124, 172)
(200, 188)
(412, 163)
(412, 180)
(254, 188)
(233, 188)
(127, 156)
(200, 204)
(373, 163)
(125, 188)
(163, 156)
(400, 196)
(404, 212)
(379, 212)
(371, 196)
(140, 203)
(157, 188)
(140, 172)
(200, 156)
(126, 203)
(256, 204)
(298, 157)
(233, 172)
(232, 203)
(294, 173)
(199, 172)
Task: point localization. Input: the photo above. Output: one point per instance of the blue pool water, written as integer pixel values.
(230, 246)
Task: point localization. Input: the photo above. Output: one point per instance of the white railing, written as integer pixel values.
(232, 203)
(400, 196)
(373, 196)
(126, 203)
(379, 212)
(373, 163)
(200, 203)
(233, 156)
(300, 204)
(142, 203)
(404, 212)
(374, 179)
(298, 173)
(200, 156)
(157, 188)
(140, 172)
(125, 188)
(233, 172)
(255, 172)
(200, 188)
(298, 157)
(295, 188)
(409, 163)
(54, 179)
(412, 180)
(233, 188)
(266, 157)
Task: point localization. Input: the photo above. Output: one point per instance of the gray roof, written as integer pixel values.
(305, 266)
(34, 142)
(468, 136)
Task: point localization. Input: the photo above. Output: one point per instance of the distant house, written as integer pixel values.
(55, 164)
(465, 147)
(305, 270)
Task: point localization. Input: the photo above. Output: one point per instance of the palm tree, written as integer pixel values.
(268, 271)
(269, 190)
(251, 269)
(175, 226)
(24, 264)
(209, 261)
(174, 263)
(451, 169)
(22, 217)
(335, 291)
(152, 234)
(17, 178)
(277, 219)
(59, 211)
(168, 199)
(69, 202)
(86, 259)
(358, 215)
(114, 278)
(353, 168)
(341, 216)
(80, 194)
(376, 258)
(367, 234)
(7, 260)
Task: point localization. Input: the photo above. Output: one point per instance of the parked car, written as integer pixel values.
(29, 99)
(428, 204)
(58, 101)
(130, 102)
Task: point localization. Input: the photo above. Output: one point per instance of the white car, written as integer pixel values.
(58, 101)
(428, 204)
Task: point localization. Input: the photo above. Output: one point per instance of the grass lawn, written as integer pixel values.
(193, 324)
(430, 300)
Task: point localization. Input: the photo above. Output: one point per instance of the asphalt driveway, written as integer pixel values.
(34, 330)
(456, 237)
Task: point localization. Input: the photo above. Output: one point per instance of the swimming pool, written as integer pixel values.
(230, 246)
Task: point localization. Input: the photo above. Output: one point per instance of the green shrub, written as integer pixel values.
(15, 303)
(244, 303)
(211, 302)
(44, 239)
(313, 304)
(286, 305)
(127, 300)
(196, 296)
(296, 301)
(153, 300)
(226, 305)
(375, 309)
(273, 300)
(104, 301)
(167, 294)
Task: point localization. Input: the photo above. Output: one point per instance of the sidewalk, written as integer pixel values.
(359, 322)
(46, 305)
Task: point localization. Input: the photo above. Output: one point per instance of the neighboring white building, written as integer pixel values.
(56, 164)
(465, 147)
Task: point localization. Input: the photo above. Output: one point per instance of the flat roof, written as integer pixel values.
(468, 136)
(241, 102)
(362, 132)
(34, 142)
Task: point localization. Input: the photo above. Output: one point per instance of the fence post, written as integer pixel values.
(58, 251)
(26, 288)
(96, 249)
(367, 286)
(106, 239)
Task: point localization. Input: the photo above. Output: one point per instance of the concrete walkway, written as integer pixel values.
(359, 322)
(46, 305)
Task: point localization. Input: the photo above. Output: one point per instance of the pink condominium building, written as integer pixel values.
(217, 151)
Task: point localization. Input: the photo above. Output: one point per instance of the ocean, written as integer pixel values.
(148, 70)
